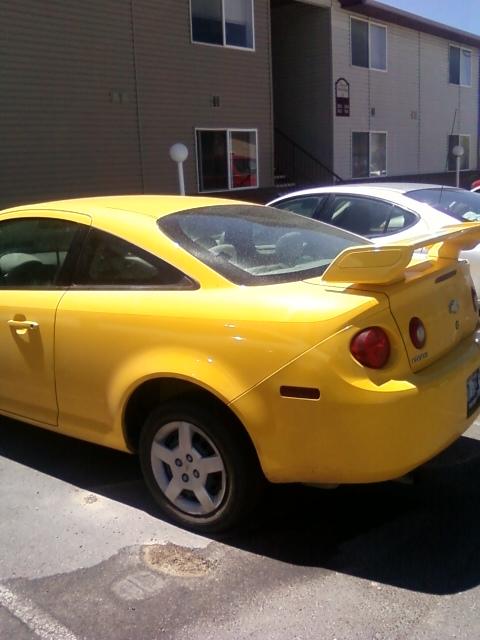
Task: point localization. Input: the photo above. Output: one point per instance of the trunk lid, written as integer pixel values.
(442, 300)
(433, 286)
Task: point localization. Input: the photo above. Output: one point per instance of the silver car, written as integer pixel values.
(390, 210)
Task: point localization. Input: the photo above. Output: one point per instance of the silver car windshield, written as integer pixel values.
(253, 244)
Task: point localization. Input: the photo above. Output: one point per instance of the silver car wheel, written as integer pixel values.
(188, 468)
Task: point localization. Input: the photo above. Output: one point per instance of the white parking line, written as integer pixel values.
(41, 623)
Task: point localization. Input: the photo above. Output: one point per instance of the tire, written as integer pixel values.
(199, 467)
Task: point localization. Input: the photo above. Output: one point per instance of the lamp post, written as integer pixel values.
(179, 153)
(458, 152)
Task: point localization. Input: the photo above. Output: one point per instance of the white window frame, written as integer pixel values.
(224, 45)
(369, 131)
(457, 46)
(459, 135)
(377, 24)
(228, 131)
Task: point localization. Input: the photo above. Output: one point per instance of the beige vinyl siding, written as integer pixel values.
(358, 78)
(394, 96)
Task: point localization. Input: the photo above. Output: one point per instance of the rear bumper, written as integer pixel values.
(360, 430)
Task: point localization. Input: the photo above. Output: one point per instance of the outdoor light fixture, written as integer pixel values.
(458, 152)
(179, 153)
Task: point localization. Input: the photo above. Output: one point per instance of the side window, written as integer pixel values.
(33, 251)
(399, 219)
(305, 206)
(109, 261)
(227, 159)
(368, 44)
(225, 23)
(460, 66)
(363, 216)
(369, 154)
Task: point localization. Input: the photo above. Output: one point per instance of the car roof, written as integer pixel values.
(367, 188)
(404, 187)
(152, 206)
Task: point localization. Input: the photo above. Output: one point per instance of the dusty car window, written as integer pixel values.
(458, 203)
(110, 261)
(33, 251)
(304, 205)
(399, 219)
(369, 217)
(252, 245)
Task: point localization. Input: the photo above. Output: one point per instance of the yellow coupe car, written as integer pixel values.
(228, 342)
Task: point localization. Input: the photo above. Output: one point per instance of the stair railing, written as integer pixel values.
(299, 165)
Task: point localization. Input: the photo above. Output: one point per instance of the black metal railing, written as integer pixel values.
(298, 165)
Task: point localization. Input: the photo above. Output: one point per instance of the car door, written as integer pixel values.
(34, 251)
(368, 217)
(107, 323)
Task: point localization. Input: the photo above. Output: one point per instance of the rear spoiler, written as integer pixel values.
(386, 264)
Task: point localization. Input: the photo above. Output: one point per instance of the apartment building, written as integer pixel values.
(94, 94)
(374, 91)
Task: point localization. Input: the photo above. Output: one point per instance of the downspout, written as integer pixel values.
(272, 106)
(478, 112)
(419, 105)
(137, 97)
(332, 117)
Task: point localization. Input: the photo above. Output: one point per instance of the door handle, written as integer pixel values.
(23, 325)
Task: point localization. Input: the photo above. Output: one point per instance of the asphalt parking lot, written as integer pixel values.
(83, 555)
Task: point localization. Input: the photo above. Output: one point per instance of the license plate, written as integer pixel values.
(473, 392)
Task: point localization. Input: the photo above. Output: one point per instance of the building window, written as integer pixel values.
(223, 22)
(460, 66)
(369, 154)
(368, 44)
(227, 159)
(464, 141)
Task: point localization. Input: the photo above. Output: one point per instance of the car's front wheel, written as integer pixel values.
(199, 467)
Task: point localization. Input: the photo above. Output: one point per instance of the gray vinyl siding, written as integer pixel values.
(412, 101)
(301, 56)
(70, 121)
(440, 100)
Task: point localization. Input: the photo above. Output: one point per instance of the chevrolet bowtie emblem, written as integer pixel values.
(453, 306)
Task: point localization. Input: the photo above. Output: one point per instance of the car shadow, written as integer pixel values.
(423, 536)
(110, 473)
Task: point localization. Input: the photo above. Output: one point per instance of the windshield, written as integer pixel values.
(253, 244)
(458, 203)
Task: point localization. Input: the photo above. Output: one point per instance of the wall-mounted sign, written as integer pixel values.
(342, 97)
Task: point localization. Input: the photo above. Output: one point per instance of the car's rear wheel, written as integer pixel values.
(199, 467)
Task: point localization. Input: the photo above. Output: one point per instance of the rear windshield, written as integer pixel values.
(253, 244)
(458, 203)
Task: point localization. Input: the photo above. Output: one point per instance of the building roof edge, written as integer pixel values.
(387, 13)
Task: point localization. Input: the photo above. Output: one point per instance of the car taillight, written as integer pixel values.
(371, 347)
(418, 335)
(474, 300)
